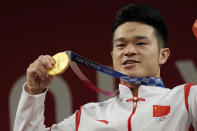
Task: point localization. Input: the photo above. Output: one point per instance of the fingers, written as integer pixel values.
(47, 61)
(39, 67)
(37, 77)
(36, 70)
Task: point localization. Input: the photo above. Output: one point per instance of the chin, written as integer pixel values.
(132, 74)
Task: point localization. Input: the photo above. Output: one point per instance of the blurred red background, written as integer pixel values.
(31, 28)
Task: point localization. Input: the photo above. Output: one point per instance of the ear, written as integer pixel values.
(164, 54)
(111, 53)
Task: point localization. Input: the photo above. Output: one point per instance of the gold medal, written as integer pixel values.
(62, 62)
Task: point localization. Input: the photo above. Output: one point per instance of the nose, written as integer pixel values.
(130, 50)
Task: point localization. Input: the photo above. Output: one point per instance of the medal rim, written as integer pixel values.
(52, 72)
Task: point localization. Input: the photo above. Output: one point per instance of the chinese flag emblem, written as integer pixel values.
(159, 111)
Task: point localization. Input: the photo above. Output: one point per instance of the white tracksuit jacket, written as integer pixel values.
(155, 109)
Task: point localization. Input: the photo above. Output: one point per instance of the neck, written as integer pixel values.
(133, 87)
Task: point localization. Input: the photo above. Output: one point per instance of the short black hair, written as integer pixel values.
(145, 15)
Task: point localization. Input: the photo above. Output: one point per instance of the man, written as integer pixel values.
(139, 38)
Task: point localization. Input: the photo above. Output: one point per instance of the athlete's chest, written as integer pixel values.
(161, 112)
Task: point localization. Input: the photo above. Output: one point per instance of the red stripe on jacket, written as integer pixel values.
(186, 93)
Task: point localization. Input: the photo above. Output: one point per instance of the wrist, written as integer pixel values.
(32, 91)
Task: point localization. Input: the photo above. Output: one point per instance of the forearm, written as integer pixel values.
(30, 112)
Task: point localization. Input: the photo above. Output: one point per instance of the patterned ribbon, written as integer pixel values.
(75, 58)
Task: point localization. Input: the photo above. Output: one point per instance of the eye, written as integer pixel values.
(120, 45)
(141, 43)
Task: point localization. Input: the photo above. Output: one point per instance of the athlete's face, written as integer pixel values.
(136, 51)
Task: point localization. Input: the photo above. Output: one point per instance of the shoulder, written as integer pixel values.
(179, 87)
(191, 90)
(187, 89)
(185, 86)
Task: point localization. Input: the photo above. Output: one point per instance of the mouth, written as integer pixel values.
(129, 63)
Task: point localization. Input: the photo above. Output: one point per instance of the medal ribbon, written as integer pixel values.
(75, 58)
